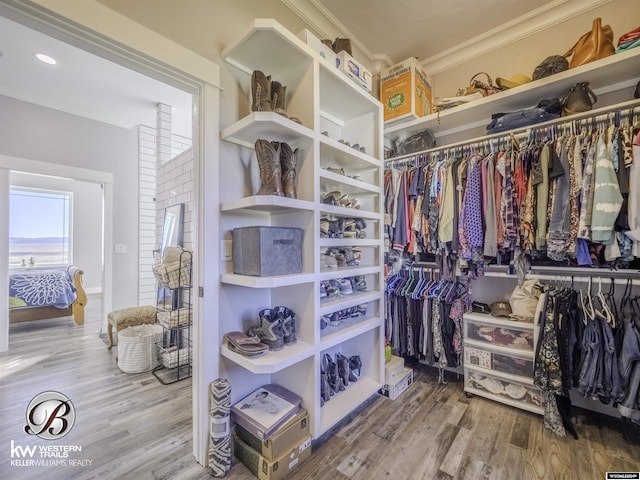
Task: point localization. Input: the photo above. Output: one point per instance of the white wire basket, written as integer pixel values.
(171, 357)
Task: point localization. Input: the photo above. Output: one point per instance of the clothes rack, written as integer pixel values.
(568, 123)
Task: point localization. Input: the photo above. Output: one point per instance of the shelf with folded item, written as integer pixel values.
(268, 125)
(271, 361)
(606, 75)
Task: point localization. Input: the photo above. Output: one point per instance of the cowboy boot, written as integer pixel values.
(268, 156)
(278, 95)
(261, 92)
(340, 44)
(288, 164)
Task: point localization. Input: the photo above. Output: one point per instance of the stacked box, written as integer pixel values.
(266, 469)
(406, 92)
(314, 42)
(352, 69)
(291, 434)
(394, 390)
(393, 370)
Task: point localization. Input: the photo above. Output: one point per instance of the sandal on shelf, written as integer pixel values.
(247, 345)
(339, 171)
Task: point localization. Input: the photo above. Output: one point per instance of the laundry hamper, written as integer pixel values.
(137, 348)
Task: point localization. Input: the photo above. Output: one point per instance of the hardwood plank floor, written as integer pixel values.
(130, 426)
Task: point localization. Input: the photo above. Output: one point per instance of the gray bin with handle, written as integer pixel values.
(266, 251)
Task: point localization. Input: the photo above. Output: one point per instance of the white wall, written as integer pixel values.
(86, 231)
(38, 133)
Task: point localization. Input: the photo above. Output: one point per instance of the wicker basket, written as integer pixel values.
(169, 357)
(174, 318)
(174, 274)
(137, 348)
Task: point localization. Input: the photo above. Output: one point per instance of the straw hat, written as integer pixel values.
(515, 81)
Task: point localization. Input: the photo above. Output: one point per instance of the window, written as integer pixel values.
(39, 227)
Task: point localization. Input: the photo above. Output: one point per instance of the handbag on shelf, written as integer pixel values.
(579, 98)
(593, 45)
(524, 298)
(550, 66)
(475, 85)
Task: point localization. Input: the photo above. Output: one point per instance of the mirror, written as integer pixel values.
(172, 230)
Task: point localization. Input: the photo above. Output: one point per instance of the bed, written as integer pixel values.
(40, 293)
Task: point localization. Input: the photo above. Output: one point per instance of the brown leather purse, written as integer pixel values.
(593, 45)
(475, 85)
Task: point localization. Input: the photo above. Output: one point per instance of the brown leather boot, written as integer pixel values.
(288, 163)
(268, 156)
(278, 94)
(340, 44)
(260, 92)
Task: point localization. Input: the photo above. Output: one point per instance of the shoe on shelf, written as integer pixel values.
(360, 283)
(288, 319)
(335, 320)
(343, 369)
(345, 286)
(327, 261)
(324, 321)
(323, 290)
(339, 171)
(269, 330)
(333, 377)
(355, 363)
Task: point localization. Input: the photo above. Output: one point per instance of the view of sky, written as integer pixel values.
(38, 214)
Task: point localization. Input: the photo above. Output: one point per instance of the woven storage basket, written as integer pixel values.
(174, 274)
(137, 348)
(174, 318)
(169, 357)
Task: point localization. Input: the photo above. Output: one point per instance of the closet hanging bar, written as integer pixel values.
(585, 118)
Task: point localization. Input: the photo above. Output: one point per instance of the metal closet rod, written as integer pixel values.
(597, 115)
(582, 273)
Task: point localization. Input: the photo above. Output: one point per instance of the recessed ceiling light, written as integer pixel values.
(45, 58)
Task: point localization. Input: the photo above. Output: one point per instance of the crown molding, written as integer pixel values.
(326, 25)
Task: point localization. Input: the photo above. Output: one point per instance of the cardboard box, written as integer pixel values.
(393, 370)
(352, 69)
(314, 42)
(282, 441)
(265, 410)
(265, 469)
(393, 391)
(266, 251)
(406, 92)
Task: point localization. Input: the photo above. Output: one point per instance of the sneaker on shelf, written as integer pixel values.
(327, 261)
(324, 321)
(360, 283)
(269, 330)
(333, 288)
(338, 170)
(323, 290)
(345, 286)
(288, 319)
(334, 320)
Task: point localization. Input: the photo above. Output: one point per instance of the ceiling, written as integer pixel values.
(84, 84)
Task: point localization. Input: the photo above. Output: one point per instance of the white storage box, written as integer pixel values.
(137, 348)
(314, 42)
(393, 370)
(352, 69)
(393, 391)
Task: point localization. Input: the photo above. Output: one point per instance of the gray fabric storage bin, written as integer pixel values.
(265, 251)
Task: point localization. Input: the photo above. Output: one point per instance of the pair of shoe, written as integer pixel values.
(278, 164)
(355, 146)
(335, 375)
(332, 228)
(343, 256)
(338, 45)
(336, 319)
(269, 96)
(276, 327)
(341, 200)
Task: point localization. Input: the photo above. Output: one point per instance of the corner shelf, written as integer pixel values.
(270, 204)
(271, 362)
(266, 282)
(267, 125)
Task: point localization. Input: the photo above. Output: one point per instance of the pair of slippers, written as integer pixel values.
(247, 345)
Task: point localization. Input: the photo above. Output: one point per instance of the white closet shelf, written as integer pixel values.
(266, 282)
(347, 301)
(348, 242)
(332, 336)
(268, 46)
(329, 273)
(499, 321)
(267, 204)
(335, 181)
(267, 125)
(623, 68)
(342, 403)
(271, 362)
(348, 212)
(343, 99)
(349, 157)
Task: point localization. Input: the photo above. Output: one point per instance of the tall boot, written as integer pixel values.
(268, 156)
(288, 164)
(260, 92)
(278, 95)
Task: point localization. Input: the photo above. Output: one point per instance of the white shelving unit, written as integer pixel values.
(331, 108)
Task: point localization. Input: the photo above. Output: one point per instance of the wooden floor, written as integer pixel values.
(133, 427)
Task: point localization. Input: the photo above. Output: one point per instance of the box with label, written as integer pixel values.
(393, 370)
(394, 390)
(265, 410)
(406, 92)
(266, 469)
(266, 251)
(352, 69)
(314, 42)
(282, 441)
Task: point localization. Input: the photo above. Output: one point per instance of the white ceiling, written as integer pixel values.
(84, 84)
